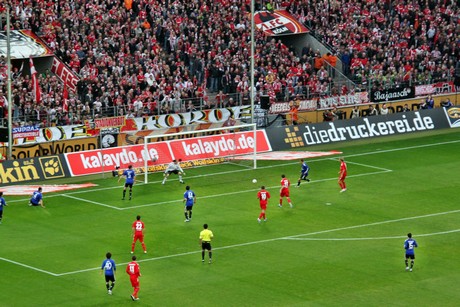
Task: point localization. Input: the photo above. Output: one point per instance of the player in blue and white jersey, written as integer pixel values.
(37, 198)
(109, 268)
(303, 172)
(2, 204)
(409, 246)
(189, 201)
(129, 175)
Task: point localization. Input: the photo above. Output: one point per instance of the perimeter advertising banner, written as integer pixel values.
(208, 148)
(453, 116)
(54, 148)
(287, 137)
(41, 168)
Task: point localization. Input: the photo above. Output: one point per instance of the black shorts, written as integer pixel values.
(129, 185)
(410, 256)
(32, 204)
(206, 245)
(188, 208)
(109, 278)
(173, 172)
(1, 213)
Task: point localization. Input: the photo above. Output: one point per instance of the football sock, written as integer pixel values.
(143, 246)
(298, 182)
(107, 286)
(180, 178)
(130, 193)
(113, 285)
(261, 215)
(186, 215)
(210, 255)
(132, 247)
(412, 264)
(190, 214)
(136, 290)
(124, 193)
(202, 255)
(407, 263)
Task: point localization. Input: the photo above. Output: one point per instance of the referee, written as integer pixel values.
(205, 242)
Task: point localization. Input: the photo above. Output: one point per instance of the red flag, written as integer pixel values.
(65, 96)
(33, 73)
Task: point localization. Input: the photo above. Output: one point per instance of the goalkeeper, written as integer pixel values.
(173, 168)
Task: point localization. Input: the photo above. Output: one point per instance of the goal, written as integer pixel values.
(231, 144)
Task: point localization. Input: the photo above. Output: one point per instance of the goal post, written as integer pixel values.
(234, 144)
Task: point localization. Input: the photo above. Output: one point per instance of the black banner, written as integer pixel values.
(393, 94)
(288, 137)
(35, 149)
(40, 168)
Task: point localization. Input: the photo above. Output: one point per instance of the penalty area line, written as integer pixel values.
(28, 266)
(247, 191)
(373, 238)
(89, 201)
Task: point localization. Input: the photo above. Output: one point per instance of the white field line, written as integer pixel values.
(28, 266)
(366, 165)
(210, 196)
(373, 238)
(245, 191)
(293, 237)
(264, 167)
(91, 202)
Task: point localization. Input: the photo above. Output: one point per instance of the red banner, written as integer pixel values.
(435, 88)
(158, 153)
(222, 145)
(278, 23)
(98, 161)
(64, 73)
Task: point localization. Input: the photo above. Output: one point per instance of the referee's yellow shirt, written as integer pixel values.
(206, 235)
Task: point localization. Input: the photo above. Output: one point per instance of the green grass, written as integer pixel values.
(331, 249)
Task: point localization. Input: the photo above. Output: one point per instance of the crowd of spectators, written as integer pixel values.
(388, 43)
(144, 57)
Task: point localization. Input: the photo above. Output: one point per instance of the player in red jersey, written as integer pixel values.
(342, 175)
(263, 196)
(284, 192)
(134, 273)
(138, 234)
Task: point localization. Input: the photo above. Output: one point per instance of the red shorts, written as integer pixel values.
(263, 206)
(342, 178)
(138, 236)
(134, 281)
(284, 192)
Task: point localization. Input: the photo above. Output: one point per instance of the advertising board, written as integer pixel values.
(210, 149)
(287, 137)
(40, 168)
(53, 148)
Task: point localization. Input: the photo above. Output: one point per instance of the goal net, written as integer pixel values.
(231, 144)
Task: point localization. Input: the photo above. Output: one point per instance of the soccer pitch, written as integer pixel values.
(331, 249)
